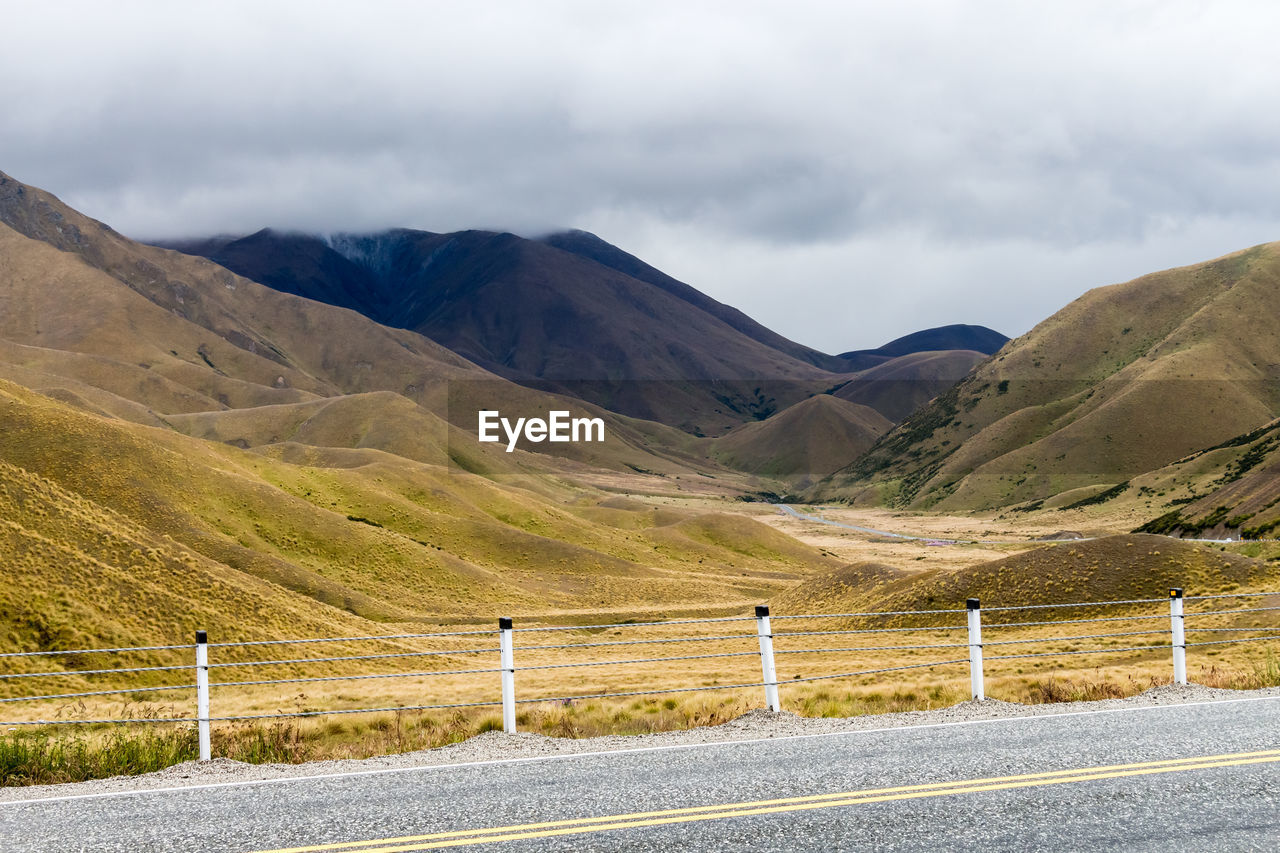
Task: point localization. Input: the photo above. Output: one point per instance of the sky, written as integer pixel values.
(843, 172)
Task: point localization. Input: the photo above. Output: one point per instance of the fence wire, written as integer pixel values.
(349, 657)
(639, 660)
(1151, 648)
(859, 615)
(1073, 639)
(1235, 640)
(640, 693)
(376, 638)
(1230, 612)
(735, 637)
(188, 647)
(875, 671)
(352, 677)
(986, 625)
(1269, 634)
(869, 631)
(636, 624)
(67, 672)
(99, 693)
(1076, 604)
(867, 649)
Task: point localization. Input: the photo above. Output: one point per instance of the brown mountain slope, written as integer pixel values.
(1237, 492)
(804, 442)
(1126, 379)
(903, 384)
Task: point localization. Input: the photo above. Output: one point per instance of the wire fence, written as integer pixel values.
(455, 670)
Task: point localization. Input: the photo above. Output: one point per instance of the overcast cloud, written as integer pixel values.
(843, 172)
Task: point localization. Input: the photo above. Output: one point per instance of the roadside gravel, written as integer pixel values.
(496, 746)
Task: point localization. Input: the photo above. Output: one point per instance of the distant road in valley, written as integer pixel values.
(1173, 777)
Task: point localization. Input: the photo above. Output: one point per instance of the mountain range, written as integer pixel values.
(573, 314)
(181, 441)
(285, 423)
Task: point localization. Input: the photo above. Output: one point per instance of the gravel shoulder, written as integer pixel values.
(497, 746)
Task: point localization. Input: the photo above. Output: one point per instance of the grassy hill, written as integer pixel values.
(804, 442)
(1125, 380)
(162, 338)
(93, 504)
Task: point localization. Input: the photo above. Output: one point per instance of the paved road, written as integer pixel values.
(1191, 777)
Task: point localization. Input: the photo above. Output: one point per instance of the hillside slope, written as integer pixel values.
(1236, 493)
(904, 383)
(1124, 380)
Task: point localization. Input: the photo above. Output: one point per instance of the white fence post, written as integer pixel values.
(1178, 628)
(765, 634)
(508, 675)
(976, 686)
(202, 693)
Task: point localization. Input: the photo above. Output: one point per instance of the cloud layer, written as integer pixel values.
(843, 172)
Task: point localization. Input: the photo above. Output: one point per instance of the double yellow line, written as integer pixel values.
(467, 837)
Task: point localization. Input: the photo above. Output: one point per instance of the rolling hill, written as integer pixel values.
(1125, 380)
(804, 442)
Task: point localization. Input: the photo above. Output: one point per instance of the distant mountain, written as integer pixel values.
(1124, 380)
(588, 245)
(903, 384)
(569, 312)
(956, 337)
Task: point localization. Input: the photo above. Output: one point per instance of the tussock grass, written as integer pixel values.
(38, 758)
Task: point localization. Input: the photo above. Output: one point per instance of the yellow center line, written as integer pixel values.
(459, 838)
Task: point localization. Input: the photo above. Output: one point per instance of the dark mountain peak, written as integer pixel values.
(957, 336)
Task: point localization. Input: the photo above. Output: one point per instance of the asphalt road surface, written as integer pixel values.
(1185, 777)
